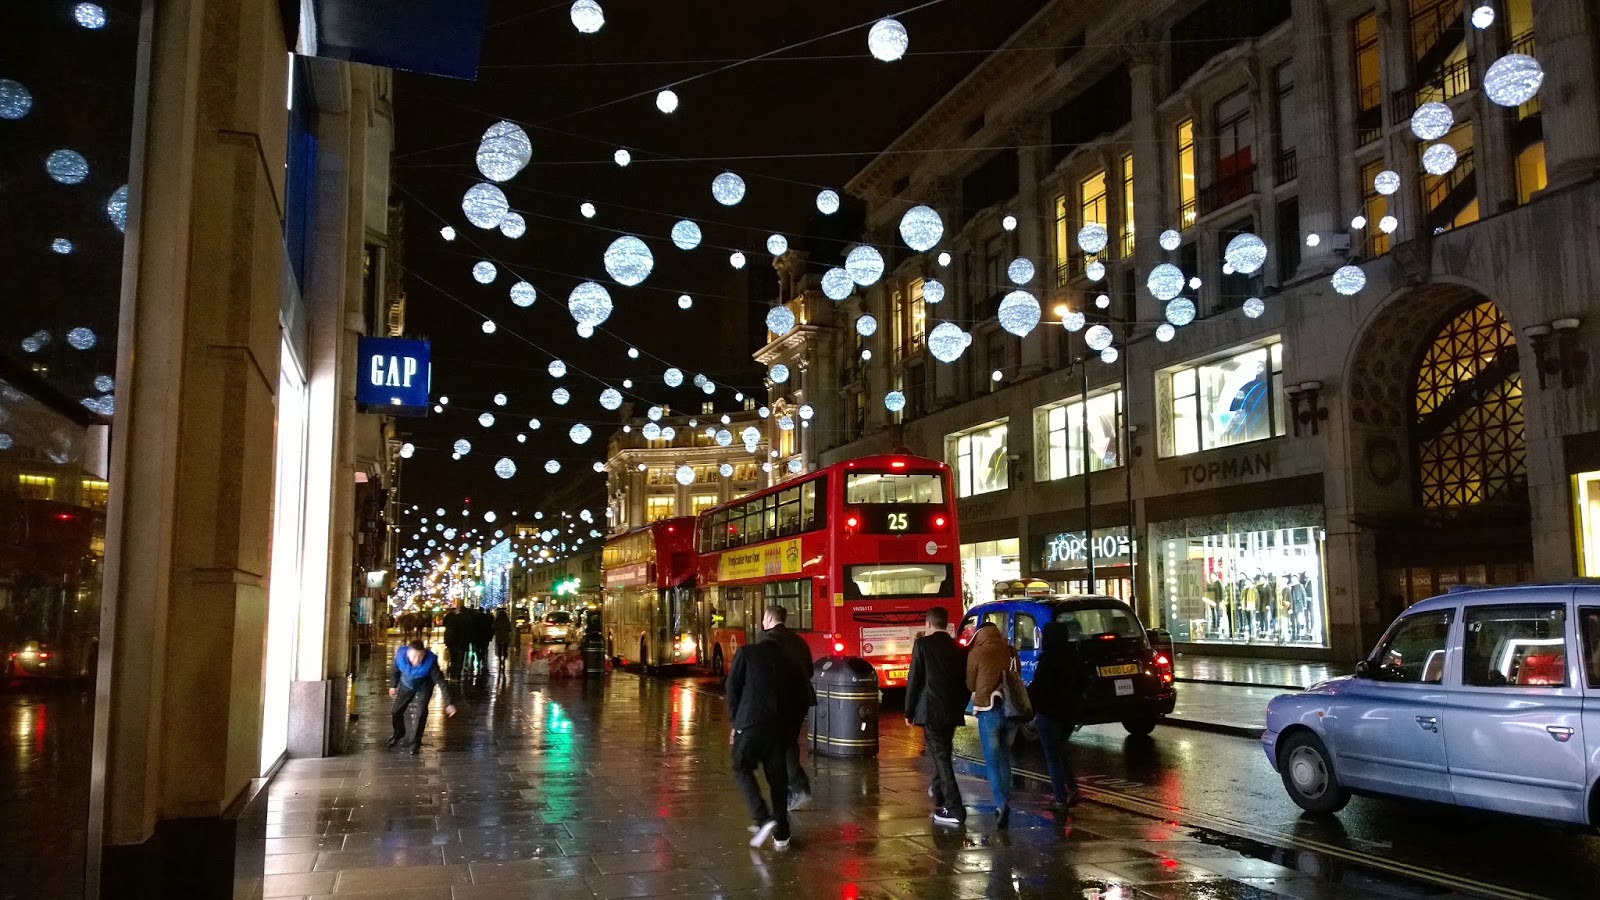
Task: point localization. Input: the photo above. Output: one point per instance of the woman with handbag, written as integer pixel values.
(1000, 702)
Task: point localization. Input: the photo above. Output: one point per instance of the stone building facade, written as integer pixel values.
(1279, 484)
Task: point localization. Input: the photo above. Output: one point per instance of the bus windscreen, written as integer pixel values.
(879, 487)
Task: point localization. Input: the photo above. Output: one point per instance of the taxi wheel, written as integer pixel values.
(1140, 727)
(1308, 776)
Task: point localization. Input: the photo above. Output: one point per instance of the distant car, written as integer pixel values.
(557, 628)
(32, 659)
(1476, 698)
(1127, 669)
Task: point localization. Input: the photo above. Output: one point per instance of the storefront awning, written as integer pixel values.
(435, 37)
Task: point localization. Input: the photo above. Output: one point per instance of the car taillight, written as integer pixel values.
(1164, 668)
(44, 655)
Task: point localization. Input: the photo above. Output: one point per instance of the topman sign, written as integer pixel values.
(395, 374)
(1069, 550)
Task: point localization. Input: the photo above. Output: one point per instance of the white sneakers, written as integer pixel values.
(763, 832)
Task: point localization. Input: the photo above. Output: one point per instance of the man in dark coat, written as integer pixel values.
(765, 695)
(1056, 694)
(455, 640)
(798, 656)
(936, 699)
(414, 677)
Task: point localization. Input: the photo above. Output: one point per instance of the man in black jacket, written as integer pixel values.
(936, 699)
(797, 655)
(765, 695)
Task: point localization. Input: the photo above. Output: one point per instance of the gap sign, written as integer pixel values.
(395, 376)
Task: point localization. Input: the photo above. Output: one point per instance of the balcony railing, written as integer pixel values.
(1448, 82)
(1450, 194)
(1286, 168)
(1187, 213)
(1224, 191)
(1524, 44)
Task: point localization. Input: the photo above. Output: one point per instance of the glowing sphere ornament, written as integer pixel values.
(1165, 282)
(15, 100)
(866, 326)
(447, 233)
(1254, 307)
(585, 330)
(579, 433)
(708, 388)
(1313, 239)
(587, 16)
(586, 209)
(505, 468)
(1513, 80)
(1388, 224)
(828, 202)
(590, 304)
(777, 244)
(1483, 17)
(1180, 312)
(534, 425)
(865, 265)
(1019, 313)
(557, 369)
(894, 401)
(552, 466)
(1098, 337)
(504, 151)
(1349, 280)
(836, 284)
(672, 377)
(611, 399)
(1432, 121)
(722, 436)
(921, 228)
(685, 475)
(484, 272)
(486, 420)
(1439, 159)
(523, 294)
(1020, 271)
(117, 208)
(651, 431)
(1092, 238)
(1074, 320)
(560, 396)
(1358, 223)
(61, 246)
(736, 259)
(408, 450)
(485, 205)
(489, 327)
(780, 320)
(1165, 332)
(1246, 253)
(684, 302)
(66, 166)
(933, 291)
(1103, 301)
(947, 341)
(1095, 270)
(1386, 182)
(751, 435)
(887, 40)
(778, 374)
(1170, 240)
(727, 189)
(685, 235)
(501, 400)
(806, 412)
(1109, 355)
(513, 226)
(667, 102)
(628, 260)
(945, 258)
(622, 157)
(81, 338)
(462, 447)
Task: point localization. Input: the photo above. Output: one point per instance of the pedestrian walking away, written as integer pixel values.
(797, 655)
(765, 694)
(416, 674)
(988, 659)
(936, 700)
(455, 641)
(1057, 692)
(502, 637)
(481, 633)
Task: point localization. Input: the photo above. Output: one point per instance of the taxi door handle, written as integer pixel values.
(1561, 733)
(1429, 723)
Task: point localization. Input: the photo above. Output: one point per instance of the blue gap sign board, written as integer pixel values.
(434, 37)
(394, 377)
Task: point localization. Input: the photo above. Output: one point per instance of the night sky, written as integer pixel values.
(792, 124)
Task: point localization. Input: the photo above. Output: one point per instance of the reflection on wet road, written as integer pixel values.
(44, 789)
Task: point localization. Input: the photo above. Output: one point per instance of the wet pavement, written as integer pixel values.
(44, 788)
(1288, 674)
(620, 787)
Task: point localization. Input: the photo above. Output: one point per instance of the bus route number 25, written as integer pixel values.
(899, 521)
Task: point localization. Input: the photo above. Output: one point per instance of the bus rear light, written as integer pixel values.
(898, 464)
(852, 521)
(938, 521)
(838, 647)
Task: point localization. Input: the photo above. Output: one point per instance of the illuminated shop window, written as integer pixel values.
(979, 458)
(1222, 402)
(1469, 446)
(1059, 430)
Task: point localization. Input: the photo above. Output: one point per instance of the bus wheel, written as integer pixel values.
(717, 667)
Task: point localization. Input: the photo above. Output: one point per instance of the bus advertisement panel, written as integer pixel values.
(857, 552)
(649, 605)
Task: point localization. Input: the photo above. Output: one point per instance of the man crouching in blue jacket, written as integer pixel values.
(416, 673)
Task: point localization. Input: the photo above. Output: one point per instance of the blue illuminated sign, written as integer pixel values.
(394, 374)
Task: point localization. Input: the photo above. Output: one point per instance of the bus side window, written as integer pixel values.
(769, 507)
(808, 506)
(789, 512)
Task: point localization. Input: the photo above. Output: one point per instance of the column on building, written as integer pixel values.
(1149, 175)
(178, 725)
(1033, 165)
(1398, 151)
(1570, 96)
(1494, 164)
(1316, 155)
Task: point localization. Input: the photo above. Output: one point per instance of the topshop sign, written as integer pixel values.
(1069, 550)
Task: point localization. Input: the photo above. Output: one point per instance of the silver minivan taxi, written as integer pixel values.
(1484, 697)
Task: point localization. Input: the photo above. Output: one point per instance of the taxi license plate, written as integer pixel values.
(1109, 671)
(1124, 687)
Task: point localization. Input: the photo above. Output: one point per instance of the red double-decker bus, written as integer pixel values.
(857, 552)
(648, 609)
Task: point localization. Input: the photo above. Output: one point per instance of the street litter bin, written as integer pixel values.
(594, 648)
(844, 723)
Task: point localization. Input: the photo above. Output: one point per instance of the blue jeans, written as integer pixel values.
(1053, 737)
(997, 734)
